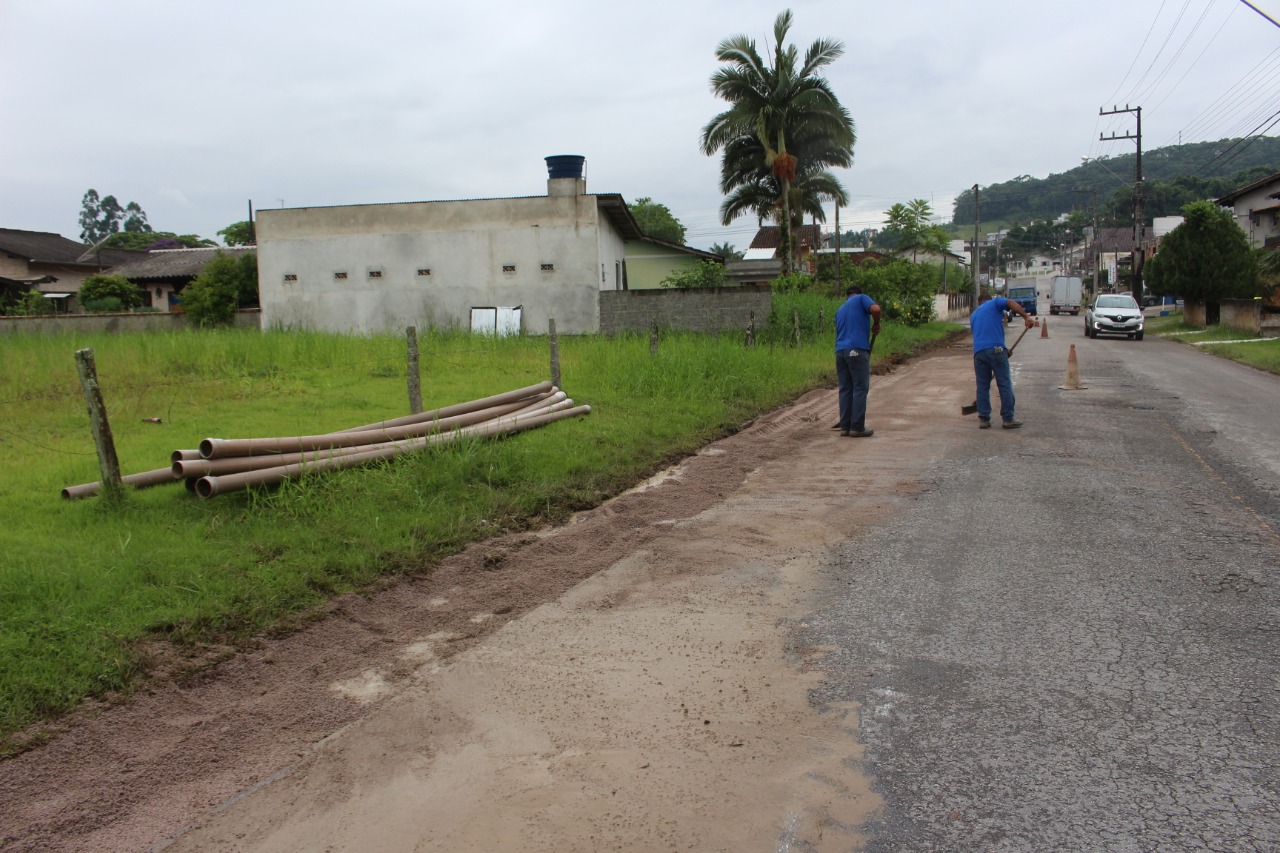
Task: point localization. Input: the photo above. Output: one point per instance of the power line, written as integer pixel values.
(1260, 12)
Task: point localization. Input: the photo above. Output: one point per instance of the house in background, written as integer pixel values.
(496, 264)
(52, 265)
(650, 260)
(163, 273)
(1256, 208)
(764, 246)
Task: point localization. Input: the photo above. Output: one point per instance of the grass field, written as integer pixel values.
(1263, 354)
(89, 591)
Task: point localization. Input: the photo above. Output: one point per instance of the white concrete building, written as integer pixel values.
(1256, 208)
(505, 263)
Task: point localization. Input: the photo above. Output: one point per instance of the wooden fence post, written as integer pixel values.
(751, 330)
(795, 324)
(108, 462)
(555, 352)
(415, 377)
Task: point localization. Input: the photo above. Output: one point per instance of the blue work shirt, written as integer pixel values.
(987, 324)
(853, 323)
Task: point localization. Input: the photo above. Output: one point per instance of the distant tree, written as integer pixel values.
(146, 241)
(1206, 258)
(702, 274)
(655, 220)
(226, 284)
(239, 234)
(726, 251)
(102, 217)
(135, 219)
(108, 292)
(915, 233)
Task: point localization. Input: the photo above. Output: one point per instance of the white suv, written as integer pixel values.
(1114, 314)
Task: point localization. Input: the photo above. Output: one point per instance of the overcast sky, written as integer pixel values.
(192, 109)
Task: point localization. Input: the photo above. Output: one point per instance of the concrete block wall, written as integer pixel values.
(152, 321)
(700, 309)
(1243, 314)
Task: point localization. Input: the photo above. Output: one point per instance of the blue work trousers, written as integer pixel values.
(853, 369)
(986, 364)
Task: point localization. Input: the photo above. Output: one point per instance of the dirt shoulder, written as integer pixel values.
(622, 682)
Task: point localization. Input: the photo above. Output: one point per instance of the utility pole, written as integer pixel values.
(839, 286)
(1139, 218)
(977, 291)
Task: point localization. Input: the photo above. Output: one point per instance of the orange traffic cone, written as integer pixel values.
(1072, 380)
(1044, 329)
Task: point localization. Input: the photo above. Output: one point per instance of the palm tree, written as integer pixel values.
(725, 250)
(751, 186)
(774, 107)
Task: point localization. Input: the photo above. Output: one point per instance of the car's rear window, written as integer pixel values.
(1116, 302)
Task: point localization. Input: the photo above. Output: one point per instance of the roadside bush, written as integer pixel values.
(226, 284)
(701, 274)
(105, 305)
(794, 282)
(100, 290)
(903, 290)
(32, 304)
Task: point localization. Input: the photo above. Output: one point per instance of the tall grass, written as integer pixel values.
(86, 591)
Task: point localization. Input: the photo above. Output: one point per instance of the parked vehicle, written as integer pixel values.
(1064, 295)
(1114, 314)
(1024, 295)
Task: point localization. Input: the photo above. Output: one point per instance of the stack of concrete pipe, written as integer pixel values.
(229, 465)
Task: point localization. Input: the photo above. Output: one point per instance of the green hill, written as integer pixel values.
(1172, 176)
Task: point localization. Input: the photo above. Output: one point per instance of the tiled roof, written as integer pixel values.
(40, 246)
(47, 247)
(769, 237)
(1112, 240)
(175, 263)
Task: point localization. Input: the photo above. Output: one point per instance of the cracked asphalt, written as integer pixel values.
(1071, 641)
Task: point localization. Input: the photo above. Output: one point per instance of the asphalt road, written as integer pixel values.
(1071, 641)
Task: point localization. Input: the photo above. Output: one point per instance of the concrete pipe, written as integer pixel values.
(217, 448)
(459, 408)
(211, 486)
(143, 480)
(196, 468)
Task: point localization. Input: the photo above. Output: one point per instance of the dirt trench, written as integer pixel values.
(622, 682)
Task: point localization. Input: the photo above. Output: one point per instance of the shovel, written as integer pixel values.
(973, 407)
(870, 347)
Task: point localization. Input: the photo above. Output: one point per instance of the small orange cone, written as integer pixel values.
(1072, 380)
(1044, 329)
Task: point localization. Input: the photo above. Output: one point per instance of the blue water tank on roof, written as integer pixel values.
(565, 166)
